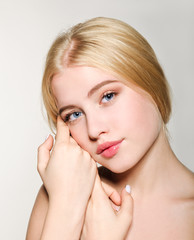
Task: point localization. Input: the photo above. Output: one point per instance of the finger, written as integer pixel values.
(112, 193)
(104, 193)
(63, 134)
(126, 210)
(44, 154)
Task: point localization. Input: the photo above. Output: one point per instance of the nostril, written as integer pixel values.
(96, 126)
(96, 136)
(93, 139)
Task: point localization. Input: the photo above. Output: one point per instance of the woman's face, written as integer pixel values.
(114, 123)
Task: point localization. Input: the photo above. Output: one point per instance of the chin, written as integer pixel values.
(118, 169)
(124, 165)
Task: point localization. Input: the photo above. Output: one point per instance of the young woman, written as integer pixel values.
(108, 98)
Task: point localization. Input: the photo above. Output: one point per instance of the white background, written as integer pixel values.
(27, 29)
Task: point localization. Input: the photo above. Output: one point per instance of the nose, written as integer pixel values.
(97, 125)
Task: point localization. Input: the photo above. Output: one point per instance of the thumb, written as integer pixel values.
(126, 210)
(112, 193)
(44, 154)
(98, 193)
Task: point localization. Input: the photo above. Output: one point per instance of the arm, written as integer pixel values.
(38, 215)
(68, 187)
(39, 211)
(44, 216)
(63, 221)
(49, 217)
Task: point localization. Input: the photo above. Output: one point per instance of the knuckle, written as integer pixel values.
(72, 141)
(76, 150)
(86, 155)
(59, 144)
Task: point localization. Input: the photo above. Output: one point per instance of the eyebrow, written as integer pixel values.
(90, 93)
(65, 108)
(99, 85)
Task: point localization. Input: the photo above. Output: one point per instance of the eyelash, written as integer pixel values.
(109, 93)
(67, 116)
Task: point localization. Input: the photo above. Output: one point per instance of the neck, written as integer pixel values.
(151, 174)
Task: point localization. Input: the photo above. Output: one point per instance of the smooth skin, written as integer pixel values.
(162, 188)
(63, 216)
(101, 222)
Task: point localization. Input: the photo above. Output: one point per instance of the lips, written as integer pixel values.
(109, 149)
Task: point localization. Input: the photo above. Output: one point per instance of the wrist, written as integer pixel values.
(68, 206)
(62, 222)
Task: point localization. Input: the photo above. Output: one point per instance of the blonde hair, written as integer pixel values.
(110, 45)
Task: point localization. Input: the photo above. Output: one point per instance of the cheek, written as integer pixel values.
(146, 126)
(78, 133)
(139, 117)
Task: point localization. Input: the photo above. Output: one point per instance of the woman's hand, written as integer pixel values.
(68, 174)
(63, 172)
(102, 221)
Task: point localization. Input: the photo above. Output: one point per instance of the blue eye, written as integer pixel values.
(72, 116)
(107, 97)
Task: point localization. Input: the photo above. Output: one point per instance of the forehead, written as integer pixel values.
(80, 75)
(77, 81)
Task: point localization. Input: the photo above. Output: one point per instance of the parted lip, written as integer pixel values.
(106, 145)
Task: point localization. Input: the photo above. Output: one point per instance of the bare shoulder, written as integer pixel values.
(187, 180)
(190, 193)
(186, 217)
(185, 204)
(38, 215)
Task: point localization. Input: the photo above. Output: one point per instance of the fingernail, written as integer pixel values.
(128, 188)
(117, 208)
